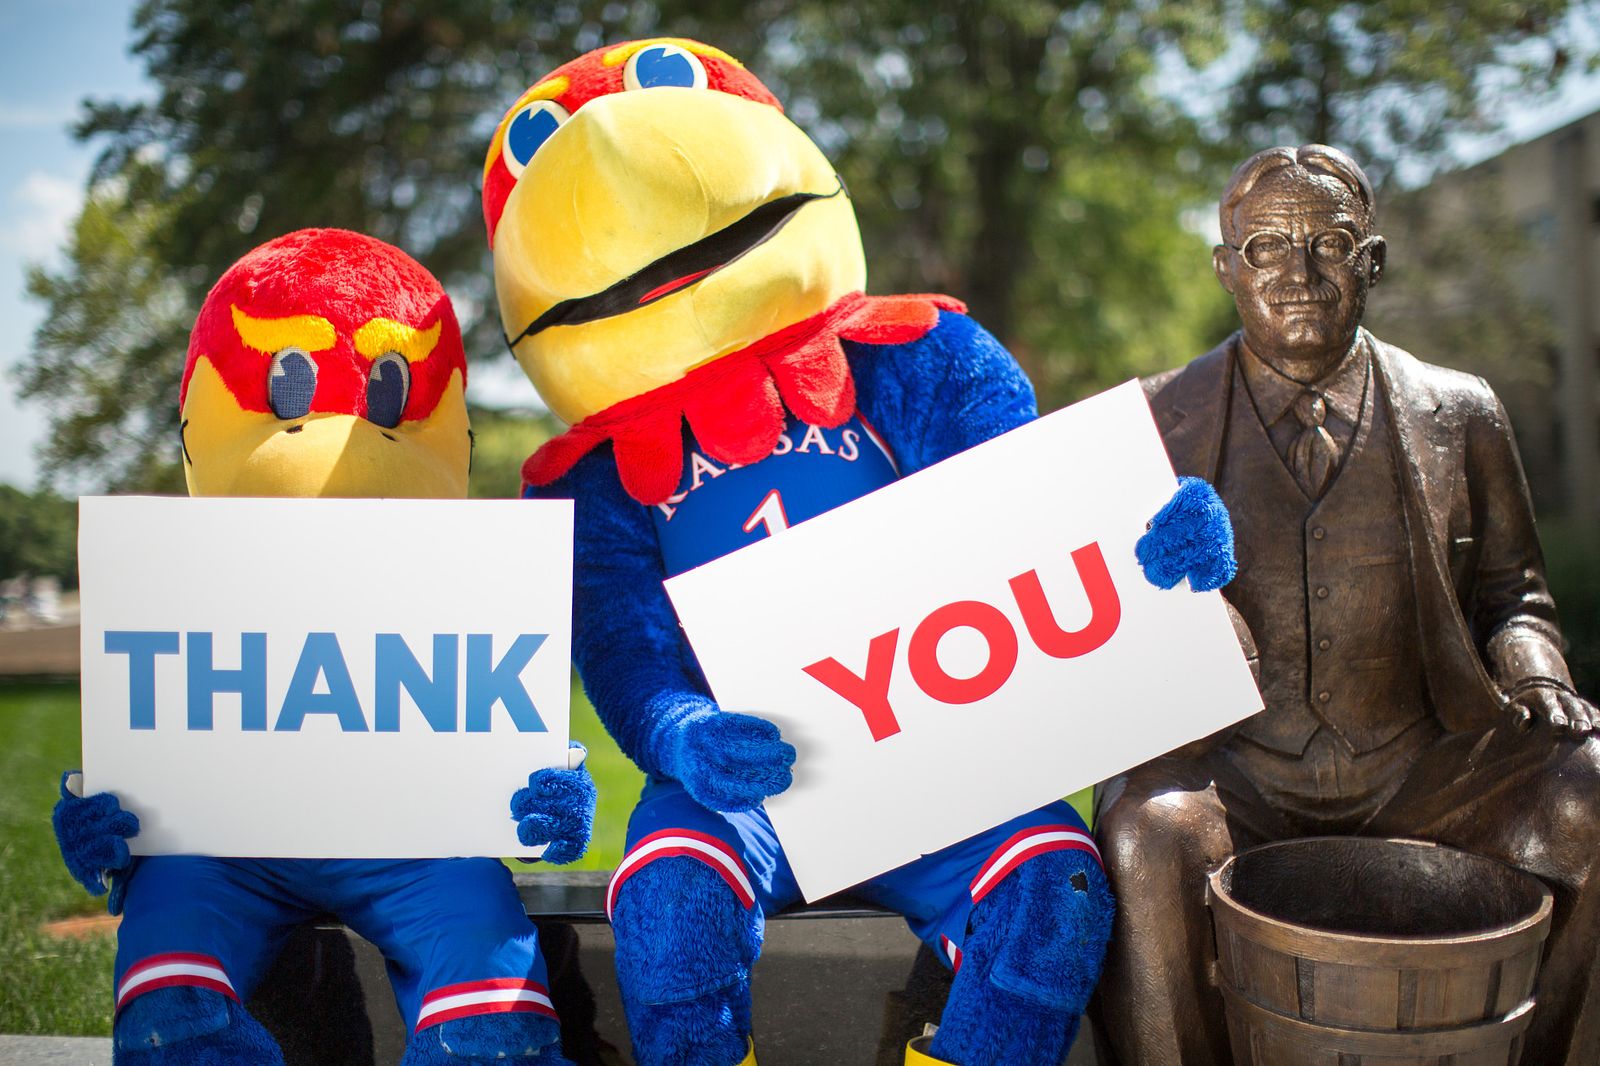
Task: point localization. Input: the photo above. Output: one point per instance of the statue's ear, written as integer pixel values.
(1378, 253)
(1219, 264)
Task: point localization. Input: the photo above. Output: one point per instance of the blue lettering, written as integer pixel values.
(249, 681)
(489, 683)
(141, 648)
(435, 697)
(321, 657)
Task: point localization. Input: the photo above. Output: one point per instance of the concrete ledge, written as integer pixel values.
(578, 897)
(55, 1051)
(820, 991)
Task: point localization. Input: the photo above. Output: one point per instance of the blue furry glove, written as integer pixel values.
(1191, 537)
(92, 833)
(556, 809)
(729, 761)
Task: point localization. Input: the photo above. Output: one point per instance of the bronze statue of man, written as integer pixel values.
(1391, 577)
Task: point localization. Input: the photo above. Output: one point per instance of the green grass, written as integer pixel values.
(47, 985)
(616, 779)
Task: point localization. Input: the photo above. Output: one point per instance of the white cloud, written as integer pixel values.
(40, 210)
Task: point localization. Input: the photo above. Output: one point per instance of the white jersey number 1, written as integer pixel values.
(769, 514)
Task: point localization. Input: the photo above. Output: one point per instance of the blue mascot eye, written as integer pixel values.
(291, 382)
(528, 130)
(388, 385)
(664, 65)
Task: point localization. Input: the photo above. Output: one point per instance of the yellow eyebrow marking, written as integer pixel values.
(386, 335)
(624, 52)
(548, 89)
(312, 333)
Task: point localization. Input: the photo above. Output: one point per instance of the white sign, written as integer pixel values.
(966, 644)
(323, 678)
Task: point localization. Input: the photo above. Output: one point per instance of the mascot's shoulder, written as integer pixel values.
(958, 340)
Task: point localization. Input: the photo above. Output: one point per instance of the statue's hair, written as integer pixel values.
(1313, 158)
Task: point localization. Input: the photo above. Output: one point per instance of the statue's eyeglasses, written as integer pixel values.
(1268, 249)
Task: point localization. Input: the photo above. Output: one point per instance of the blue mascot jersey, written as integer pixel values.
(719, 508)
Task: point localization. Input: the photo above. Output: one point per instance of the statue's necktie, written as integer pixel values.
(1313, 455)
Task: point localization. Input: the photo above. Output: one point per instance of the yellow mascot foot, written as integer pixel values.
(917, 1052)
(750, 1059)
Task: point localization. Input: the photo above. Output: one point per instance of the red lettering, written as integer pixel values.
(1104, 605)
(923, 657)
(870, 693)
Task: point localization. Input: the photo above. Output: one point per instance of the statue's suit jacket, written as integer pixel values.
(1475, 559)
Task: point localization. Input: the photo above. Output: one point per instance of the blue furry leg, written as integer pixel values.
(184, 1026)
(1031, 959)
(513, 1036)
(685, 945)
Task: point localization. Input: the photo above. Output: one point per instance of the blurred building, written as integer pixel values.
(1503, 261)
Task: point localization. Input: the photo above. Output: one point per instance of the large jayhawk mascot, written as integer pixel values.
(325, 363)
(680, 273)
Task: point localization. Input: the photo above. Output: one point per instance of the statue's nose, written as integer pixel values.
(1300, 264)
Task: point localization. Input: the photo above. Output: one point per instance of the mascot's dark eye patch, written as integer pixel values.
(664, 65)
(291, 383)
(388, 385)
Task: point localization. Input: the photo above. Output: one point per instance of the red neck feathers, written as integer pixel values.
(736, 404)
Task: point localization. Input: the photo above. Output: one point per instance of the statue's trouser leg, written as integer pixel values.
(1532, 801)
(1021, 913)
(688, 915)
(196, 936)
(463, 959)
(1162, 828)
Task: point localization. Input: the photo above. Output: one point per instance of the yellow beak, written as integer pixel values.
(634, 177)
(230, 452)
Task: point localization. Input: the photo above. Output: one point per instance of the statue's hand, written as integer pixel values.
(556, 809)
(1191, 537)
(729, 761)
(1550, 704)
(92, 833)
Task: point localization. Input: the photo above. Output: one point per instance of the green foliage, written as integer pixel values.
(617, 781)
(38, 535)
(1029, 158)
(999, 151)
(1086, 328)
(1574, 572)
(107, 357)
(501, 440)
(1391, 81)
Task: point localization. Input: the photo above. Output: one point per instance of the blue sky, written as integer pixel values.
(54, 53)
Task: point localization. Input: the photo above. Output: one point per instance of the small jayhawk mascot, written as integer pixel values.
(325, 363)
(680, 273)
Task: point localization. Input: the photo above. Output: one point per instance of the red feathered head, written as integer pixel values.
(326, 363)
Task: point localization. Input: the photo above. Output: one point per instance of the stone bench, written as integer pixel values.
(828, 973)
(839, 981)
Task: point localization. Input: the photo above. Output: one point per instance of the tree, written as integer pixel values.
(269, 118)
(1033, 159)
(106, 358)
(501, 440)
(1393, 82)
(38, 535)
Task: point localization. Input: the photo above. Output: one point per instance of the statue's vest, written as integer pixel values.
(1334, 614)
